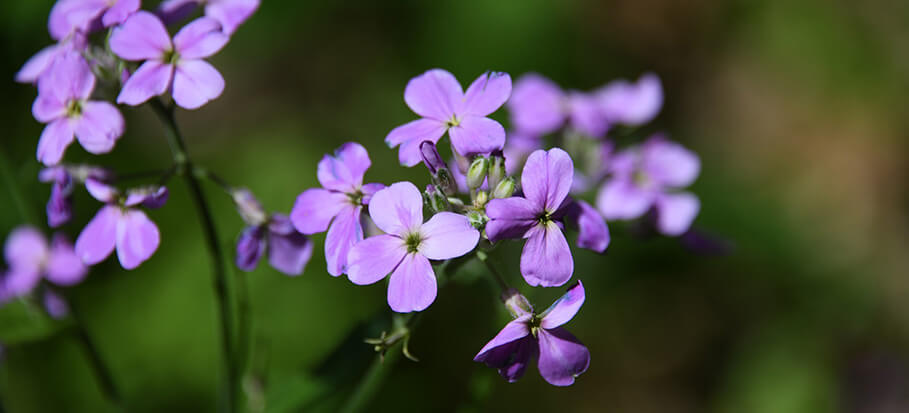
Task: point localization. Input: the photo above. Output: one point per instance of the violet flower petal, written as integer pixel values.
(477, 135)
(59, 206)
(633, 104)
(622, 199)
(47, 108)
(250, 248)
(99, 127)
(63, 266)
(434, 94)
(564, 309)
(36, 65)
(535, 105)
(153, 78)
(410, 135)
(397, 209)
(369, 190)
(196, 82)
(101, 191)
(289, 253)
(345, 232)
(119, 12)
(546, 259)
(98, 239)
(231, 13)
(25, 248)
(343, 171)
(562, 356)
(586, 116)
(669, 163)
(142, 37)
(514, 330)
(547, 177)
(137, 238)
(509, 218)
(315, 208)
(486, 94)
(170, 11)
(199, 39)
(676, 212)
(374, 258)
(54, 140)
(593, 233)
(447, 235)
(55, 305)
(412, 286)
(18, 282)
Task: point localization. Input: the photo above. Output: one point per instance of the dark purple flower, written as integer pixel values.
(70, 16)
(174, 66)
(119, 225)
(230, 13)
(649, 177)
(337, 205)
(288, 250)
(560, 356)
(407, 246)
(546, 259)
(30, 258)
(632, 104)
(63, 104)
(437, 96)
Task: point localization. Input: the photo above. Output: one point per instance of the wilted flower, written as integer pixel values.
(30, 258)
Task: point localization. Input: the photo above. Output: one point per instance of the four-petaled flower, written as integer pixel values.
(175, 66)
(407, 246)
(230, 13)
(648, 177)
(560, 356)
(288, 250)
(30, 258)
(437, 96)
(121, 225)
(337, 205)
(63, 104)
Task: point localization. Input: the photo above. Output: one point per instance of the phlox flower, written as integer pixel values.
(632, 104)
(288, 250)
(530, 336)
(170, 66)
(63, 104)
(120, 225)
(437, 96)
(337, 205)
(230, 13)
(648, 177)
(30, 258)
(407, 246)
(69, 16)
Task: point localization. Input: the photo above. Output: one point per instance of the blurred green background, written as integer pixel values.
(797, 108)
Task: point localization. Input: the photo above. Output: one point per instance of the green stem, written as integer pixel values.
(15, 192)
(102, 372)
(219, 271)
(484, 258)
(371, 383)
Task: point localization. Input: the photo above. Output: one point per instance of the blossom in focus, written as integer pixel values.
(288, 250)
(70, 16)
(560, 356)
(230, 13)
(174, 66)
(336, 206)
(63, 104)
(438, 98)
(546, 259)
(120, 225)
(29, 258)
(650, 176)
(632, 104)
(407, 246)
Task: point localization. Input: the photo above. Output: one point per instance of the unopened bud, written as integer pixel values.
(504, 189)
(477, 219)
(476, 174)
(249, 207)
(436, 200)
(496, 169)
(516, 303)
(480, 199)
(431, 157)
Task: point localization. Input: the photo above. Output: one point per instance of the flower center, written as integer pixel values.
(412, 241)
(454, 121)
(641, 179)
(534, 324)
(171, 57)
(356, 197)
(74, 108)
(544, 218)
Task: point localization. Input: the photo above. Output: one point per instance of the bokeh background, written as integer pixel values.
(797, 108)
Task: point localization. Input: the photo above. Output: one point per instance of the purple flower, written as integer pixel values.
(175, 66)
(560, 356)
(70, 16)
(648, 177)
(593, 233)
(537, 106)
(38, 64)
(120, 225)
(518, 147)
(585, 115)
(60, 205)
(230, 13)
(337, 205)
(30, 258)
(437, 96)
(288, 250)
(63, 105)
(632, 104)
(407, 246)
(546, 259)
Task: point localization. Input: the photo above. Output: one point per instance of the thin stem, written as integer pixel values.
(102, 372)
(12, 184)
(219, 271)
(371, 383)
(484, 258)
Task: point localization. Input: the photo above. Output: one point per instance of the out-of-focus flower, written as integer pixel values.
(30, 258)
(70, 16)
(120, 225)
(632, 104)
(63, 104)
(437, 96)
(230, 13)
(38, 64)
(337, 205)
(55, 305)
(546, 259)
(407, 246)
(288, 250)
(537, 106)
(650, 176)
(174, 66)
(560, 356)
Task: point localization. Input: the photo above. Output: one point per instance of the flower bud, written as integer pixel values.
(431, 157)
(476, 174)
(477, 219)
(480, 199)
(504, 189)
(436, 200)
(249, 207)
(496, 169)
(516, 303)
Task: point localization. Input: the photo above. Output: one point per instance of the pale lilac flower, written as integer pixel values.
(30, 258)
(170, 66)
(407, 246)
(38, 64)
(230, 13)
(120, 225)
(546, 259)
(63, 104)
(517, 148)
(537, 106)
(337, 205)
(70, 16)
(632, 104)
(648, 177)
(560, 356)
(437, 96)
(585, 115)
(288, 250)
